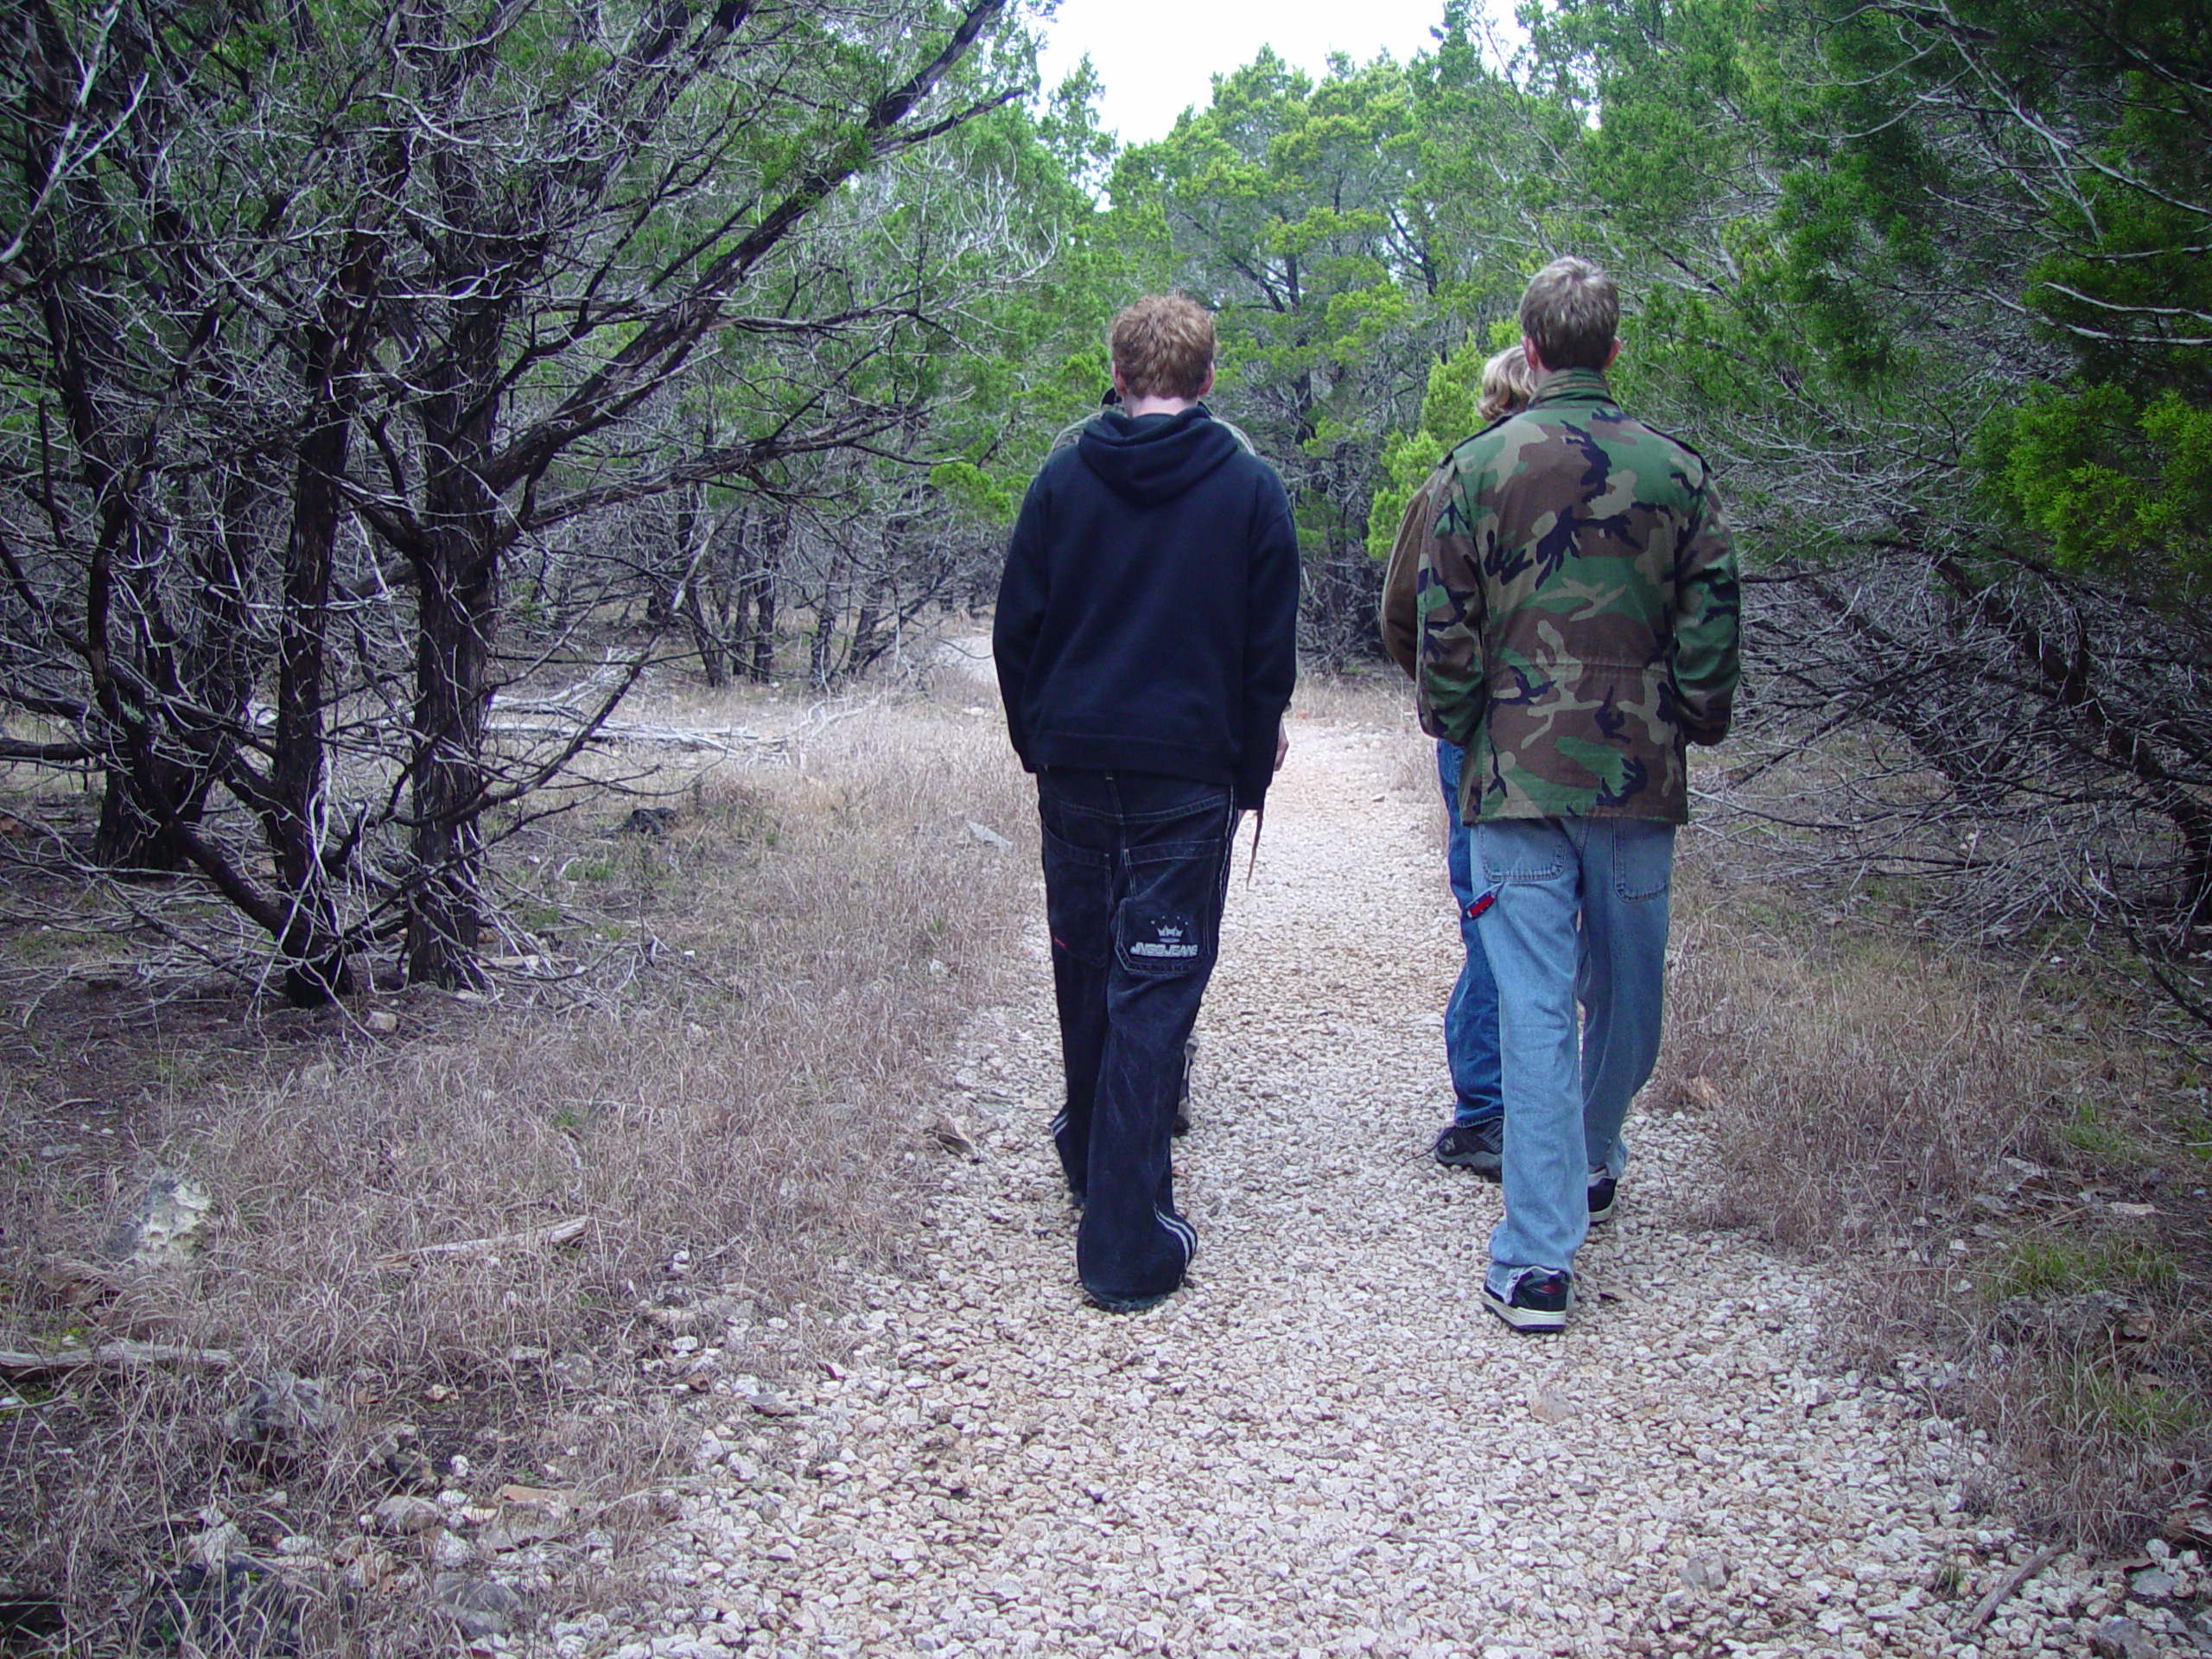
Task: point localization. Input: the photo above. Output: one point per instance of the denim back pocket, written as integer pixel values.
(1517, 850)
(1643, 857)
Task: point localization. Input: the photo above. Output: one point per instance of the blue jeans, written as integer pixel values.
(1471, 1017)
(1136, 867)
(1580, 915)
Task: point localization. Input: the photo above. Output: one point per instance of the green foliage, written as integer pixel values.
(1030, 356)
(974, 488)
(1447, 415)
(2039, 1266)
(2110, 481)
(1351, 233)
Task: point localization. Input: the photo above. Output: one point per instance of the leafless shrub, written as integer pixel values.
(2024, 751)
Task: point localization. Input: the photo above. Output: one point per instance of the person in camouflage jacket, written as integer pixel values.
(1578, 611)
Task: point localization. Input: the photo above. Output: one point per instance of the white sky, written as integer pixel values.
(1158, 56)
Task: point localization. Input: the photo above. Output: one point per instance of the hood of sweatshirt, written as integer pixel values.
(1154, 458)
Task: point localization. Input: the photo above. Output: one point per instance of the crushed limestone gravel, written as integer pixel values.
(1322, 1446)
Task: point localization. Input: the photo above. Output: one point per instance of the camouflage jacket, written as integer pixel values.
(1579, 611)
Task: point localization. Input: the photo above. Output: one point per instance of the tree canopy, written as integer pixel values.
(356, 357)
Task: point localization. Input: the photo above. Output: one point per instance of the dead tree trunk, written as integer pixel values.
(139, 807)
(457, 572)
(869, 641)
(297, 808)
(692, 584)
(822, 646)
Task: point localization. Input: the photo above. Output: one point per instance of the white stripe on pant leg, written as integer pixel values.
(1060, 1124)
(1184, 1236)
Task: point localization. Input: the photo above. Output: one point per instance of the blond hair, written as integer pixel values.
(1570, 312)
(1508, 384)
(1162, 346)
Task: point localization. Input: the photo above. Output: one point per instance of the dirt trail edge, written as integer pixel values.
(1322, 1446)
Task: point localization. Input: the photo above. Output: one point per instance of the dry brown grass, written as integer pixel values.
(1863, 1082)
(730, 1093)
(1381, 699)
(728, 1088)
(1864, 1091)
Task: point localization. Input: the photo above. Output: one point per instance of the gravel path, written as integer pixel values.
(1322, 1446)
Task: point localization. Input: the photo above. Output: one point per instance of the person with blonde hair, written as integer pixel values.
(1507, 383)
(1146, 646)
(1475, 1138)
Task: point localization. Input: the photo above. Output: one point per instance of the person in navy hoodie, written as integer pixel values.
(1145, 645)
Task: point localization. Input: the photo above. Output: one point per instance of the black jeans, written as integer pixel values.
(1136, 866)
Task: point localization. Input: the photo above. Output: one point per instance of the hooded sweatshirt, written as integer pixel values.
(1147, 620)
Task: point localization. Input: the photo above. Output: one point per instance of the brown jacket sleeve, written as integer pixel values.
(1400, 621)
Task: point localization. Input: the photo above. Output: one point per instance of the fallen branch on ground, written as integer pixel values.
(561, 1232)
(117, 1354)
(2020, 1575)
(721, 738)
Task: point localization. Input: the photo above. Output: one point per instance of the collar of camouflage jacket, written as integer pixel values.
(1573, 385)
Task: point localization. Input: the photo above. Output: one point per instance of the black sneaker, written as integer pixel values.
(1186, 1238)
(1603, 1191)
(1538, 1304)
(1126, 1304)
(1479, 1147)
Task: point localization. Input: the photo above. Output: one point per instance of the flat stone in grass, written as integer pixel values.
(167, 1226)
(479, 1607)
(402, 1517)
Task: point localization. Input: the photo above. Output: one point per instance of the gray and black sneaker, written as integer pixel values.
(1538, 1303)
(1479, 1147)
(1604, 1190)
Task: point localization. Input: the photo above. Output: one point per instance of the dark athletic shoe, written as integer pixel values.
(1604, 1189)
(1538, 1304)
(1479, 1147)
(1127, 1304)
(1186, 1240)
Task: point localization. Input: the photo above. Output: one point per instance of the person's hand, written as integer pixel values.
(1282, 743)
